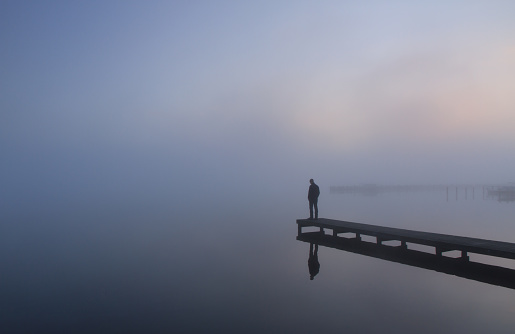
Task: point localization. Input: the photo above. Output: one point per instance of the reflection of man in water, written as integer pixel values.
(313, 194)
(313, 264)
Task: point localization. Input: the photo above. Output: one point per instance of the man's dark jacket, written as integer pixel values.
(313, 192)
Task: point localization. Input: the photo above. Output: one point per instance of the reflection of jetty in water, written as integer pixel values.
(460, 266)
(501, 193)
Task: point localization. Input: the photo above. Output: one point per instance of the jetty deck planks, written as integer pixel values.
(441, 242)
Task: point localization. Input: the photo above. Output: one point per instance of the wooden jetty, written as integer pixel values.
(441, 242)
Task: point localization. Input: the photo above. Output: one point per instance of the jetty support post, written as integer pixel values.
(439, 250)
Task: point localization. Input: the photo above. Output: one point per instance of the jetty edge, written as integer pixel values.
(441, 242)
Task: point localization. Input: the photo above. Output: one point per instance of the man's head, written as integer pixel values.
(311, 181)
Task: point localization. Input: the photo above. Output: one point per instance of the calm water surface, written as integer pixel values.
(211, 268)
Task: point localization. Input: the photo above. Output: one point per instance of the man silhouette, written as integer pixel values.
(313, 194)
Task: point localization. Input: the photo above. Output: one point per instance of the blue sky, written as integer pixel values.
(112, 96)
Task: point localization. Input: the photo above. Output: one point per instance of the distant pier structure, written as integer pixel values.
(498, 192)
(504, 193)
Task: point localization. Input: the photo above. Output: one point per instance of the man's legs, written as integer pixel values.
(311, 203)
(315, 203)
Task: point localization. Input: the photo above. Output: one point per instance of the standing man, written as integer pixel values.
(313, 194)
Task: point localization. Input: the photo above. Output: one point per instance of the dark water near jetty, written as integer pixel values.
(209, 268)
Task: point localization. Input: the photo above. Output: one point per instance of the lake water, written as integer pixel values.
(218, 267)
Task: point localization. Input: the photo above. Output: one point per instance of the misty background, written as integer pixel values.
(180, 103)
(155, 155)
